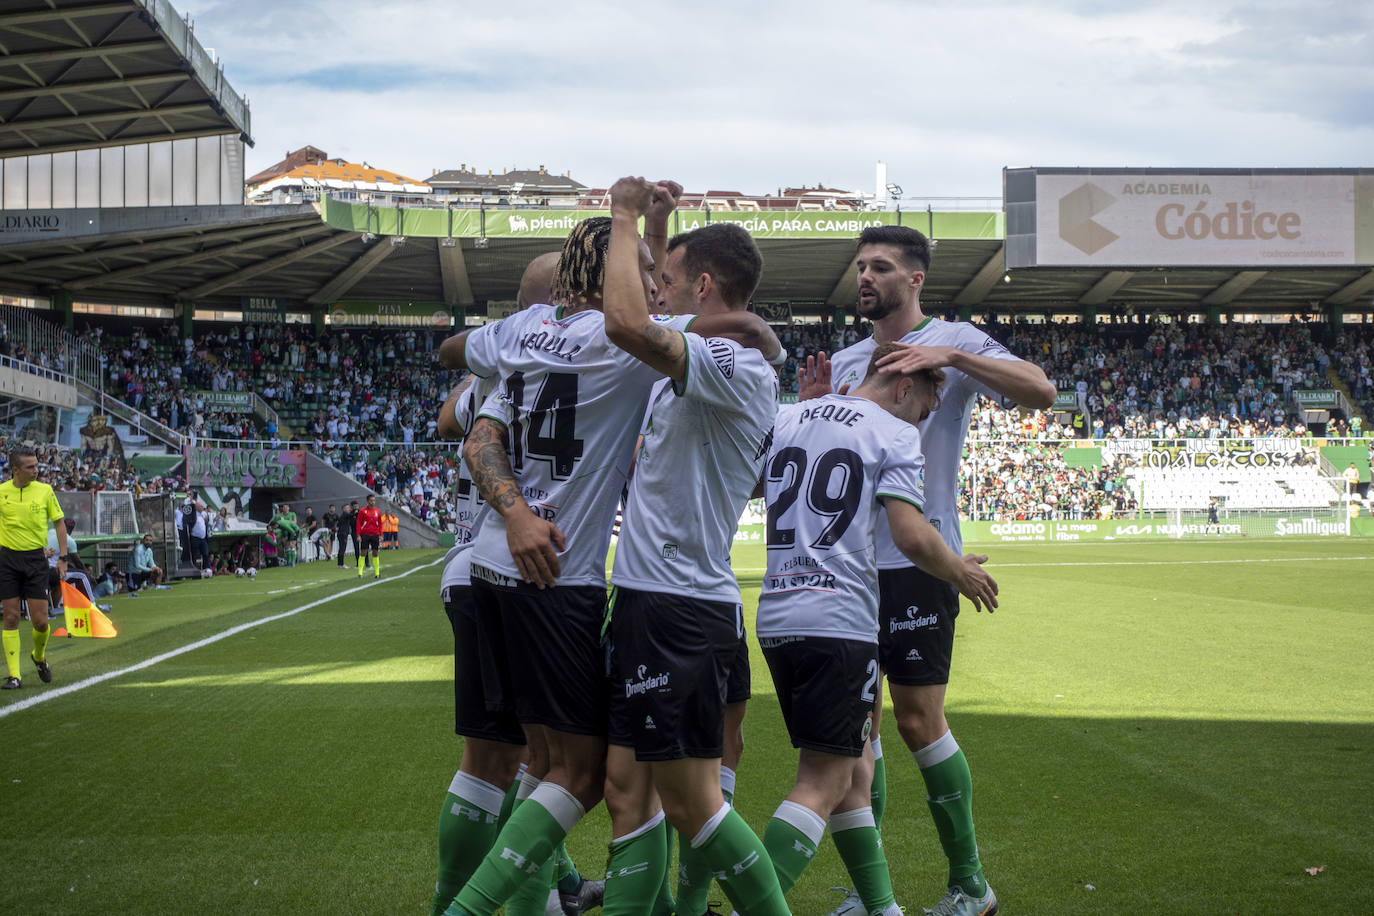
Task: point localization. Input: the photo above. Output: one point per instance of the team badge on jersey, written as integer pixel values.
(723, 355)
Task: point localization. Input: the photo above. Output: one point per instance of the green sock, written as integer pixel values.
(362, 561)
(520, 850)
(508, 803)
(377, 564)
(565, 870)
(857, 841)
(693, 874)
(740, 863)
(467, 827)
(11, 641)
(877, 795)
(40, 642)
(636, 869)
(793, 834)
(532, 897)
(949, 793)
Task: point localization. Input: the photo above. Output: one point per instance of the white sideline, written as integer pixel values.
(232, 631)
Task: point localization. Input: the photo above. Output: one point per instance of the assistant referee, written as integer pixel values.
(27, 508)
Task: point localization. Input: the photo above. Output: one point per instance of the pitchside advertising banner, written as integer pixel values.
(538, 223)
(1167, 218)
(245, 467)
(1135, 529)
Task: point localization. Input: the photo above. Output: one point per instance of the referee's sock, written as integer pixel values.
(949, 794)
(377, 565)
(520, 850)
(40, 642)
(636, 869)
(467, 826)
(11, 642)
(793, 834)
(739, 861)
(861, 849)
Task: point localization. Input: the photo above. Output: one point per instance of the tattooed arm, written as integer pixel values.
(625, 296)
(534, 542)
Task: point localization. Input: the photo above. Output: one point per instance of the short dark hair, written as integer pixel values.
(933, 377)
(913, 246)
(726, 252)
(582, 265)
(22, 451)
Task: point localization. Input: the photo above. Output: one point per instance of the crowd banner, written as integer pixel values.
(225, 466)
(387, 313)
(1209, 453)
(235, 401)
(1318, 400)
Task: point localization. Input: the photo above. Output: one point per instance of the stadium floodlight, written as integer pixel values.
(397, 241)
(894, 190)
(481, 242)
(448, 242)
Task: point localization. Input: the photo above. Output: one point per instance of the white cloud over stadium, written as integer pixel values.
(752, 97)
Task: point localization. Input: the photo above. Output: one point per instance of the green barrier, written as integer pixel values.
(1082, 457)
(1342, 456)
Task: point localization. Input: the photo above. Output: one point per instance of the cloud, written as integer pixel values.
(756, 96)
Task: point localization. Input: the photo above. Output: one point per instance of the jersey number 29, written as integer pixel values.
(789, 467)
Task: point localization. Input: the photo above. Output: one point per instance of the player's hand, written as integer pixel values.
(664, 201)
(976, 585)
(49, 553)
(911, 357)
(813, 379)
(631, 197)
(534, 544)
(61, 569)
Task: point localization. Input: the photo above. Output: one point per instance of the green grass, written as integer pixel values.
(1183, 732)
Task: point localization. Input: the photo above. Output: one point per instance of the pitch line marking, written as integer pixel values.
(198, 644)
(993, 564)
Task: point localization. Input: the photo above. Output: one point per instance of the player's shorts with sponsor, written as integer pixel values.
(826, 688)
(371, 541)
(471, 717)
(668, 664)
(547, 663)
(23, 574)
(737, 689)
(916, 614)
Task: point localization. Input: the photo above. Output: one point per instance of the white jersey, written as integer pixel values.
(831, 460)
(704, 444)
(572, 402)
(943, 432)
(469, 509)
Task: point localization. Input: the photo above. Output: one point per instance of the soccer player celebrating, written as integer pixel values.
(567, 393)
(27, 509)
(915, 651)
(676, 620)
(369, 521)
(835, 462)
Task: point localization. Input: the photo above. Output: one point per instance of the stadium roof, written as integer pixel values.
(78, 75)
(216, 255)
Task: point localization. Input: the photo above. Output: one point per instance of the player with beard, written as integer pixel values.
(892, 265)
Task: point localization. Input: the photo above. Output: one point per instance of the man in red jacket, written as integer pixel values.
(369, 522)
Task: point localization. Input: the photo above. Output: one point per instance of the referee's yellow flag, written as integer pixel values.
(84, 618)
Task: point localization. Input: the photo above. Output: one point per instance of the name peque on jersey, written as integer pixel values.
(831, 461)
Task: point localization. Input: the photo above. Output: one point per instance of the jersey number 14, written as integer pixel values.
(549, 434)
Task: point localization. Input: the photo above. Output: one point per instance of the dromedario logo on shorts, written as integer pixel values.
(914, 620)
(646, 682)
(1076, 224)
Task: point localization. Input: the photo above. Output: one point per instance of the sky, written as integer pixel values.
(757, 96)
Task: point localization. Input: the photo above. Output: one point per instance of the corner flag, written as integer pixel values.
(84, 618)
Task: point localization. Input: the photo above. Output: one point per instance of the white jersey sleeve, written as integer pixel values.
(482, 349)
(722, 373)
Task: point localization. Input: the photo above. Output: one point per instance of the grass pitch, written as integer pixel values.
(1179, 727)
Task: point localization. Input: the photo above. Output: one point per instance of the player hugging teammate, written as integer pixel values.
(549, 450)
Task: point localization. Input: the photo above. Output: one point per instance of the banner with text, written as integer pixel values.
(236, 401)
(211, 466)
(1175, 219)
(1015, 532)
(388, 313)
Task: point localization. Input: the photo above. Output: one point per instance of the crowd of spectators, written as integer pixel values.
(1026, 480)
(419, 480)
(70, 469)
